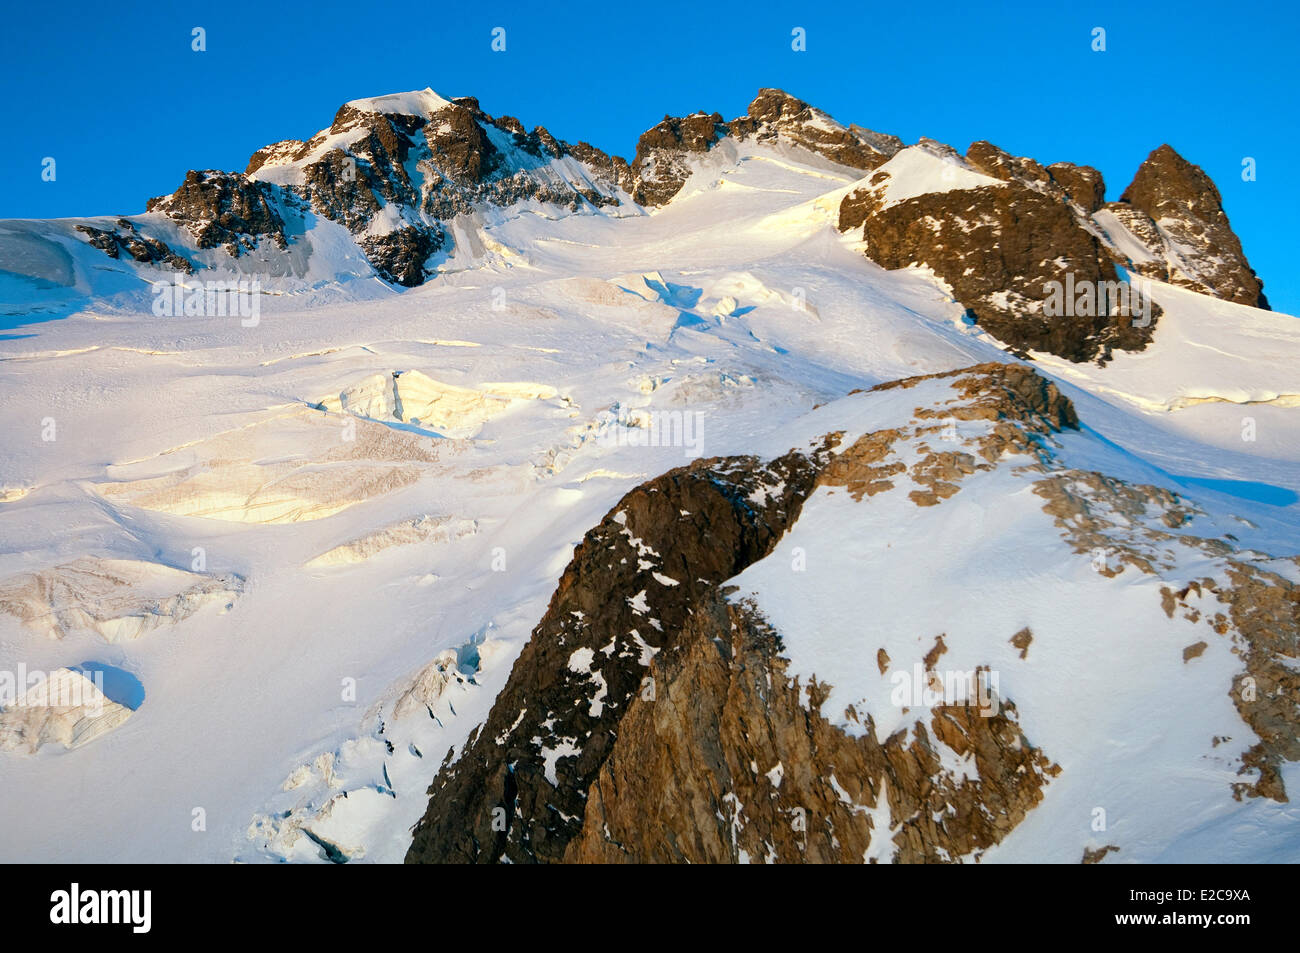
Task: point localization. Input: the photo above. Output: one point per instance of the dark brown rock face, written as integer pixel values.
(460, 168)
(140, 247)
(284, 150)
(538, 143)
(1065, 181)
(694, 133)
(1012, 253)
(341, 190)
(689, 777)
(400, 255)
(350, 187)
(222, 208)
(776, 114)
(657, 721)
(1264, 608)
(613, 170)
(1000, 249)
(1001, 164)
(1082, 184)
(530, 766)
(459, 146)
(1176, 209)
(432, 167)
(659, 168)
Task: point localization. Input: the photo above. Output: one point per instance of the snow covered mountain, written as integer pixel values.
(786, 493)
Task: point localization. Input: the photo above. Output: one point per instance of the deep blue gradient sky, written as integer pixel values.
(115, 94)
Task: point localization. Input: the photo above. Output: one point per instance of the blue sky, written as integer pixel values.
(116, 95)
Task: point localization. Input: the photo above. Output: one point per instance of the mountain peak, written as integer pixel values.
(419, 102)
(395, 170)
(771, 104)
(1177, 210)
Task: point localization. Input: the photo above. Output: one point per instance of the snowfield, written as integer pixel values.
(319, 543)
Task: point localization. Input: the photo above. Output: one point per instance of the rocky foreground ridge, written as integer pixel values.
(653, 716)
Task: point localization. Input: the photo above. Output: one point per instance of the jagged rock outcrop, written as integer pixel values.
(612, 171)
(141, 248)
(391, 170)
(459, 146)
(400, 255)
(518, 791)
(1002, 249)
(727, 763)
(1174, 209)
(221, 208)
(1006, 252)
(776, 115)
(341, 191)
(662, 164)
(277, 153)
(1010, 392)
(1065, 181)
(464, 159)
(537, 143)
(1082, 184)
(660, 168)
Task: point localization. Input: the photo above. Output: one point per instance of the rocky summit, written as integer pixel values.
(413, 177)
